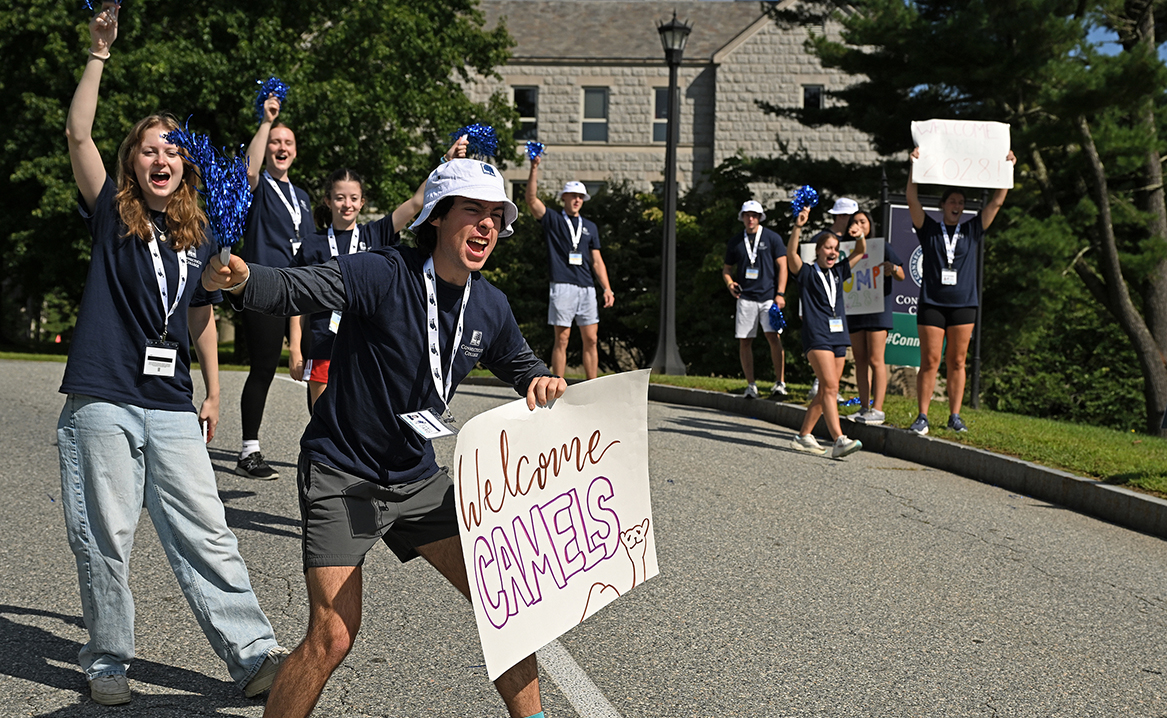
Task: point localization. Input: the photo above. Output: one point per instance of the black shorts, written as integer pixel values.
(931, 315)
(344, 516)
(840, 350)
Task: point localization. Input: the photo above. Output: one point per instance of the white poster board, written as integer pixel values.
(962, 153)
(863, 292)
(554, 512)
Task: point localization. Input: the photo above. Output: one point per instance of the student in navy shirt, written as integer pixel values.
(416, 321)
(573, 251)
(824, 330)
(129, 434)
(948, 295)
(869, 331)
(755, 274)
(279, 220)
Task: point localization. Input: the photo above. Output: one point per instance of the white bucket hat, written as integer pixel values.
(752, 206)
(844, 205)
(471, 179)
(578, 188)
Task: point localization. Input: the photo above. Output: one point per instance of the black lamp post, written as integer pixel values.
(673, 35)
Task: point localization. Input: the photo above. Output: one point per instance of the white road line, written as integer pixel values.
(288, 378)
(584, 696)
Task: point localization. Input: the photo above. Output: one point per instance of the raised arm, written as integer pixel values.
(793, 261)
(532, 195)
(860, 251)
(88, 169)
(913, 193)
(989, 213)
(410, 208)
(258, 147)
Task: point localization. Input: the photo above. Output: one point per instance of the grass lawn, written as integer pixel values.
(1135, 461)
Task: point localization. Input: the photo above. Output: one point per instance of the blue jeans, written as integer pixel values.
(114, 457)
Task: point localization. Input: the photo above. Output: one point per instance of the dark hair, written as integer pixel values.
(951, 191)
(322, 214)
(426, 235)
(870, 222)
(822, 238)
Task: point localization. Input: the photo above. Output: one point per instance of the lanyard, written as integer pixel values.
(293, 207)
(576, 232)
(950, 246)
(752, 252)
(352, 245)
(159, 270)
(431, 294)
(830, 287)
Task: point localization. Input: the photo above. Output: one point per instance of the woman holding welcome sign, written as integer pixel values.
(948, 293)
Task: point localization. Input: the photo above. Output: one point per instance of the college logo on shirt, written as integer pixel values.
(192, 260)
(476, 338)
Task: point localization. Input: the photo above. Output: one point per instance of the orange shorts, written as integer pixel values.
(318, 371)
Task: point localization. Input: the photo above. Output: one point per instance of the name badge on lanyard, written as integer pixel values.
(353, 245)
(948, 276)
(835, 323)
(426, 422)
(161, 356)
(752, 272)
(293, 208)
(574, 257)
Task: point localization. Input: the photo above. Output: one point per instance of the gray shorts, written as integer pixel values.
(572, 302)
(344, 516)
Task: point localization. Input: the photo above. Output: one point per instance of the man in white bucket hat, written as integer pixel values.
(842, 211)
(573, 248)
(755, 274)
(367, 471)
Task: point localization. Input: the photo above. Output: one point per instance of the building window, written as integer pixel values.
(518, 191)
(812, 97)
(595, 114)
(660, 121)
(594, 188)
(527, 104)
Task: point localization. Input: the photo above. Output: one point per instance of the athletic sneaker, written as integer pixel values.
(859, 417)
(254, 467)
(266, 675)
(110, 690)
(920, 425)
(751, 392)
(874, 417)
(844, 446)
(779, 389)
(955, 424)
(807, 443)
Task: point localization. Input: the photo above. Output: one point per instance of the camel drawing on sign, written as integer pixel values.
(635, 542)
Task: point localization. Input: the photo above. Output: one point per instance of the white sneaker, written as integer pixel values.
(859, 417)
(751, 392)
(844, 446)
(874, 417)
(807, 443)
(779, 389)
(113, 690)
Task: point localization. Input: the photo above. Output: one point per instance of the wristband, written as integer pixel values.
(103, 58)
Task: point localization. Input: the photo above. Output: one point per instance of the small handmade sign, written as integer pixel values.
(962, 153)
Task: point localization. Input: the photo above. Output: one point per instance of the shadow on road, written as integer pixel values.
(242, 519)
(731, 433)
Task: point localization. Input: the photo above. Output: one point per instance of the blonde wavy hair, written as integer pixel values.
(186, 222)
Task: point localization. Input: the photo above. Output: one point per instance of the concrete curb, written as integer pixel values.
(1126, 508)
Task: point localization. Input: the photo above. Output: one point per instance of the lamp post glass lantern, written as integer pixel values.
(673, 36)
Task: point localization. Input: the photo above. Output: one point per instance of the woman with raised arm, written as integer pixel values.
(869, 332)
(129, 433)
(824, 330)
(948, 303)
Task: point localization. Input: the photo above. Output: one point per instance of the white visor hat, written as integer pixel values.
(752, 206)
(844, 205)
(578, 188)
(471, 179)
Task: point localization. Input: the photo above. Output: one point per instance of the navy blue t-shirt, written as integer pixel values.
(121, 309)
(884, 319)
(817, 311)
(964, 292)
(316, 250)
(269, 236)
(380, 366)
(770, 248)
(558, 237)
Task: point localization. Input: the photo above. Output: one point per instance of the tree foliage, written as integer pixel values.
(375, 86)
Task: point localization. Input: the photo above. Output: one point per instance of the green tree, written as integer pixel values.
(1086, 130)
(375, 86)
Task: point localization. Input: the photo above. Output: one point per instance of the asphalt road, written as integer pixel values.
(790, 585)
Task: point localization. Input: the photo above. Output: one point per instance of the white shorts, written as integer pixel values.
(749, 315)
(570, 302)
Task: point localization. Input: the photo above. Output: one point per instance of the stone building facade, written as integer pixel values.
(589, 77)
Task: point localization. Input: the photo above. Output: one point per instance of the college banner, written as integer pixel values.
(554, 512)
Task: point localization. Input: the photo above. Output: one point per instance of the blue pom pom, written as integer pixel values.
(535, 149)
(271, 86)
(483, 141)
(226, 191)
(777, 318)
(804, 196)
(93, 9)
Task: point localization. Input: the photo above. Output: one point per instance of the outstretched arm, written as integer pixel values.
(88, 169)
(793, 261)
(913, 193)
(989, 213)
(532, 195)
(258, 147)
(410, 208)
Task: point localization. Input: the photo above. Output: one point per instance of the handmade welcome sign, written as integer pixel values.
(962, 153)
(554, 512)
(863, 292)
